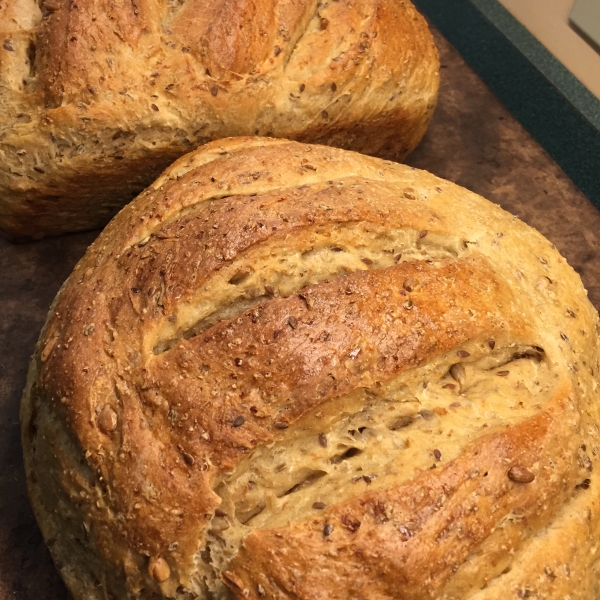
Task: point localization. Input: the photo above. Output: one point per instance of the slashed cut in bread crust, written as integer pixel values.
(98, 97)
(295, 372)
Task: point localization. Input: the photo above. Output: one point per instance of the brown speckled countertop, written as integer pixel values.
(473, 141)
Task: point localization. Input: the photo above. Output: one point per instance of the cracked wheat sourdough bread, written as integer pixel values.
(295, 372)
(98, 97)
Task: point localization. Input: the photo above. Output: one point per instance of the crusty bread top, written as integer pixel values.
(98, 97)
(299, 372)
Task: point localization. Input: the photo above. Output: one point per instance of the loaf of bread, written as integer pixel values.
(295, 372)
(98, 97)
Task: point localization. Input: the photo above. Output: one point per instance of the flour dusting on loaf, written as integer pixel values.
(292, 371)
(98, 97)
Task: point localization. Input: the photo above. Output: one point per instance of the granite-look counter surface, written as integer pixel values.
(473, 141)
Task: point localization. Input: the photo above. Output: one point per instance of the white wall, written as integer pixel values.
(548, 21)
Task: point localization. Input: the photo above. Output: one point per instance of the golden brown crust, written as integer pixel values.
(98, 98)
(248, 378)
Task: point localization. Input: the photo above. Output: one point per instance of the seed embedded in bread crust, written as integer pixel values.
(458, 373)
(233, 578)
(520, 475)
(238, 421)
(159, 569)
(401, 422)
(107, 420)
(409, 284)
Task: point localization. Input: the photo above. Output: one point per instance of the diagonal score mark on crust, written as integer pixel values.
(215, 173)
(211, 152)
(420, 532)
(340, 41)
(385, 430)
(238, 38)
(378, 438)
(237, 167)
(257, 275)
(310, 13)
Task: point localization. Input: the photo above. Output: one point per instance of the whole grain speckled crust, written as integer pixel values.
(98, 97)
(290, 371)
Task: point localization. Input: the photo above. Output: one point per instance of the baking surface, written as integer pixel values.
(473, 141)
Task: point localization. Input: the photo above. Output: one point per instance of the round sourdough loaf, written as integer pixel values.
(98, 97)
(292, 371)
